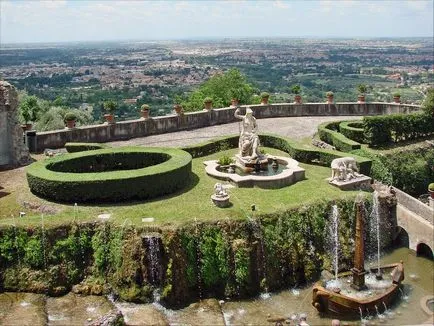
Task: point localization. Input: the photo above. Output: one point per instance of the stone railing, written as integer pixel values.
(414, 205)
(192, 120)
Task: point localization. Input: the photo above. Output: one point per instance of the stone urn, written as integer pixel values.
(330, 97)
(397, 99)
(297, 99)
(178, 109)
(70, 124)
(109, 118)
(361, 98)
(208, 104)
(144, 110)
(264, 98)
(234, 102)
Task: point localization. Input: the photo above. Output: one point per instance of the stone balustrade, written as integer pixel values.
(163, 124)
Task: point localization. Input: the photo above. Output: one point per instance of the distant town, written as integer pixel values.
(82, 75)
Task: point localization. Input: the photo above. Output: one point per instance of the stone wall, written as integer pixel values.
(414, 205)
(159, 125)
(13, 152)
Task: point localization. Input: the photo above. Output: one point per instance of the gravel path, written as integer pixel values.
(291, 127)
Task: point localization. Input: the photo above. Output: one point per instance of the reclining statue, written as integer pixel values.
(344, 169)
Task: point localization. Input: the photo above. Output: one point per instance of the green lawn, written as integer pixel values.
(184, 206)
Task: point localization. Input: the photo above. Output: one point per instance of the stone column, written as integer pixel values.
(13, 151)
(359, 253)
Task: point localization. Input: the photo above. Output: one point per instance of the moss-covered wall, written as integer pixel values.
(221, 259)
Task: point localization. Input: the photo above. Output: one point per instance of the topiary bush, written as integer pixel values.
(110, 174)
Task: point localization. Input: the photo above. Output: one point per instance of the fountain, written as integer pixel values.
(252, 167)
(365, 292)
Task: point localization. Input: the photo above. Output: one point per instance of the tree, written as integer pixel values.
(54, 118)
(222, 88)
(29, 109)
(428, 102)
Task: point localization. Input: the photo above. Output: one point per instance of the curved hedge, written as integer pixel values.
(159, 171)
(80, 147)
(329, 132)
(295, 150)
(352, 130)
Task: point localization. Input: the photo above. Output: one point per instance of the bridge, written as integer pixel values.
(415, 222)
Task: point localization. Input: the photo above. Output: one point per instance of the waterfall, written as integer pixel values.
(154, 259)
(334, 236)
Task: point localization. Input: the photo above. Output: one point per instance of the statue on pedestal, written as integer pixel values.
(249, 139)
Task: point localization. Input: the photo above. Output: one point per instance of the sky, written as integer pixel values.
(80, 20)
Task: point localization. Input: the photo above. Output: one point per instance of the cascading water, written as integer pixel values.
(198, 257)
(334, 229)
(256, 225)
(375, 217)
(43, 241)
(154, 259)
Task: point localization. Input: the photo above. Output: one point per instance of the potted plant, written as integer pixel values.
(28, 116)
(397, 97)
(362, 89)
(208, 103)
(178, 109)
(296, 90)
(110, 108)
(330, 97)
(144, 110)
(234, 102)
(431, 189)
(70, 118)
(264, 98)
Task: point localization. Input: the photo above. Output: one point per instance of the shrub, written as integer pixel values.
(145, 107)
(81, 147)
(362, 88)
(329, 132)
(121, 174)
(296, 89)
(396, 94)
(225, 160)
(428, 103)
(265, 95)
(431, 187)
(70, 116)
(352, 130)
(329, 94)
(212, 146)
(207, 100)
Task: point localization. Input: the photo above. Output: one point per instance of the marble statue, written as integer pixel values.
(219, 191)
(344, 169)
(249, 139)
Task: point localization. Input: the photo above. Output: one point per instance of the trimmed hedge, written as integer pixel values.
(295, 150)
(380, 130)
(352, 130)
(329, 132)
(159, 171)
(213, 146)
(317, 156)
(81, 147)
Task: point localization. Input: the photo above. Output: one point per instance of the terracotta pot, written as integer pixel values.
(361, 99)
(70, 124)
(297, 99)
(110, 118)
(264, 100)
(145, 114)
(397, 99)
(177, 108)
(26, 127)
(431, 192)
(330, 99)
(234, 102)
(208, 106)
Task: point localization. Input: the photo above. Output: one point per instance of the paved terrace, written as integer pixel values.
(291, 127)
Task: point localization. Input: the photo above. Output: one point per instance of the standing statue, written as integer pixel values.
(249, 139)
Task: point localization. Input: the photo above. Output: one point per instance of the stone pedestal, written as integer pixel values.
(13, 151)
(221, 201)
(260, 163)
(362, 182)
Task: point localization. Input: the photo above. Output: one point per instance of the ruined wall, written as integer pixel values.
(13, 152)
(160, 125)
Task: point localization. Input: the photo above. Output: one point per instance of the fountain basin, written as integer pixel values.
(290, 175)
(330, 301)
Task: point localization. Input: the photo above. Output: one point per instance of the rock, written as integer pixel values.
(110, 319)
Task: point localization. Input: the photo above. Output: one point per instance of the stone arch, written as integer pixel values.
(424, 250)
(402, 238)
